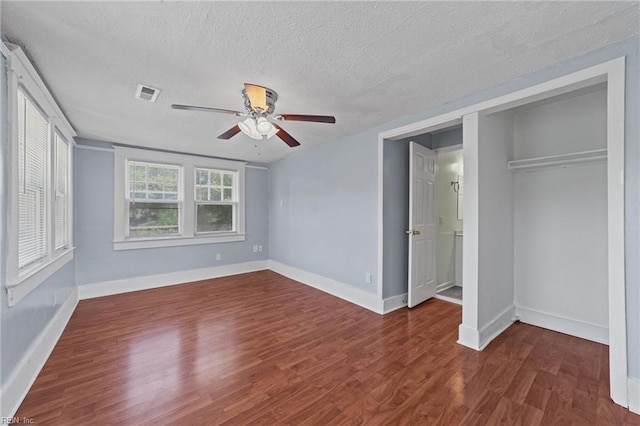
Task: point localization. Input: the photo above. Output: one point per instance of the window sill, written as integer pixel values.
(176, 241)
(19, 288)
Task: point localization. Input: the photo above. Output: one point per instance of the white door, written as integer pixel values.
(422, 224)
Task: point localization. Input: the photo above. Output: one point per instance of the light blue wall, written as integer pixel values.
(328, 224)
(447, 138)
(395, 249)
(21, 324)
(96, 260)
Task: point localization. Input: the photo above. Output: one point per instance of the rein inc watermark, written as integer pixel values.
(17, 421)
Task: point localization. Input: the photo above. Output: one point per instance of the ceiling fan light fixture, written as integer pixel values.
(272, 133)
(248, 127)
(263, 126)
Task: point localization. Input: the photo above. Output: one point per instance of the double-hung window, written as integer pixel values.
(153, 200)
(33, 150)
(216, 201)
(165, 199)
(40, 199)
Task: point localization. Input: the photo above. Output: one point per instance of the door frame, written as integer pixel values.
(613, 73)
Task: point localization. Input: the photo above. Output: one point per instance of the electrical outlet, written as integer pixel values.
(367, 278)
(55, 299)
(281, 203)
(218, 256)
(255, 248)
(260, 248)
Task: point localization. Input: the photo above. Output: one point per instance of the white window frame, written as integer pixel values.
(21, 75)
(179, 201)
(188, 235)
(235, 203)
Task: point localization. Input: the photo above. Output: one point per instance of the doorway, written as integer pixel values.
(450, 236)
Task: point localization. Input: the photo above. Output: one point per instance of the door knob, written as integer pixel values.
(414, 232)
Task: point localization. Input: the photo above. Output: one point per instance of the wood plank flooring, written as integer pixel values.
(261, 349)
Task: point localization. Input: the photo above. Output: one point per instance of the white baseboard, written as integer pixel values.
(393, 303)
(445, 285)
(469, 337)
(634, 394)
(584, 330)
(499, 324)
(343, 291)
(18, 384)
(108, 288)
(479, 339)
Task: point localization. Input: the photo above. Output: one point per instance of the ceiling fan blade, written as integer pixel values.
(302, 117)
(230, 133)
(286, 137)
(207, 109)
(257, 96)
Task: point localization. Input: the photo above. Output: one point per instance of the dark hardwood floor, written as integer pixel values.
(262, 349)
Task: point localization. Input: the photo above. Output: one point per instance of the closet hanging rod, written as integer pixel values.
(560, 160)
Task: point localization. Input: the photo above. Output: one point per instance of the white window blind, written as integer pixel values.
(33, 131)
(154, 199)
(61, 213)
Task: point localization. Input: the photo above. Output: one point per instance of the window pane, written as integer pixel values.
(33, 132)
(149, 181)
(217, 186)
(214, 218)
(215, 194)
(153, 219)
(215, 178)
(202, 177)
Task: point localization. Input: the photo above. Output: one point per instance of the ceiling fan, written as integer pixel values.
(259, 102)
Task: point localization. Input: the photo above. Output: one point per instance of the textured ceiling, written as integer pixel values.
(365, 63)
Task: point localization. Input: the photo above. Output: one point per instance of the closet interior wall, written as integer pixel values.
(560, 214)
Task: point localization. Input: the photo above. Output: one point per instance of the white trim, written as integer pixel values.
(249, 166)
(17, 290)
(479, 340)
(95, 148)
(135, 244)
(380, 254)
(634, 395)
(612, 72)
(393, 303)
(561, 324)
(468, 336)
(127, 285)
(4, 49)
(497, 326)
(20, 381)
(616, 250)
(343, 291)
(562, 160)
(28, 76)
(445, 285)
(448, 299)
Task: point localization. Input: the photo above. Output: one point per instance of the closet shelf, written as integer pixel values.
(561, 160)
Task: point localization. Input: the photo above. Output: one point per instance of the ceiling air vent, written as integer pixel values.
(147, 93)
